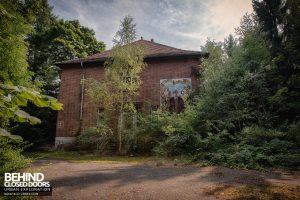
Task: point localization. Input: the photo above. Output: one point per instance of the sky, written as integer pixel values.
(185, 24)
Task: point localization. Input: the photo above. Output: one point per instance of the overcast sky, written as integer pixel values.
(184, 24)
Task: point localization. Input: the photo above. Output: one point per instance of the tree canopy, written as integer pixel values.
(126, 32)
(14, 25)
(32, 40)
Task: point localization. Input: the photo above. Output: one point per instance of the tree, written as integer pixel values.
(51, 40)
(14, 25)
(126, 33)
(233, 88)
(62, 40)
(119, 88)
(229, 43)
(280, 21)
(248, 23)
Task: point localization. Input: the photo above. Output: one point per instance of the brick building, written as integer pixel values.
(168, 78)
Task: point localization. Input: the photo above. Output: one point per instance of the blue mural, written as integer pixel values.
(174, 89)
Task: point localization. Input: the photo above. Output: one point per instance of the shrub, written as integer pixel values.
(130, 140)
(213, 142)
(179, 136)
(149, 131)
(11, 158)
(255, 148)
(290, 160)
(258, 136)
(178, 144)
(276, 146)
(293, 133)
(94, 138)
(242, 158)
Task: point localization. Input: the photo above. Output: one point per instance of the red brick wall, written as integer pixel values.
(89, 109)
(70, 90)
(163, 69)
(69, 96)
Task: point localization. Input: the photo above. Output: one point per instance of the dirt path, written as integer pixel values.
(142, 181)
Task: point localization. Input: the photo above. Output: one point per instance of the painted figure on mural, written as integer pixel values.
(174, 92)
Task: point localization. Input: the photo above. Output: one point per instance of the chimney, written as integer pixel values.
(152, 40)
(141, 38)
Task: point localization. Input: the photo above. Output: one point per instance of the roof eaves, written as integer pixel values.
(159, 55)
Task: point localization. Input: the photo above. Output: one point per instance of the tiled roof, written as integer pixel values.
(153, 49)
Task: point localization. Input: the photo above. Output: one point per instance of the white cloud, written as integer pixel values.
(181, 23)
(225, 15)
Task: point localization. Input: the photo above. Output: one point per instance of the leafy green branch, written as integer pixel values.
(13, 98)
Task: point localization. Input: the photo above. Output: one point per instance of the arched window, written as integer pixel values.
(176, 104)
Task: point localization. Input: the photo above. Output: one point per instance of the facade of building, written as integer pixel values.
(169, 77)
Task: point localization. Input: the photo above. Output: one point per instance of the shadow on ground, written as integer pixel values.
(207, 182)
(121, 175)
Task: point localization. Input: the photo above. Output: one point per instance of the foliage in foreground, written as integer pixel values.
(11, 158)
(12, 99)
(17, 89)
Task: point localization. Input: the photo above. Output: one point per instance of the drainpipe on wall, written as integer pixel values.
(82, 95)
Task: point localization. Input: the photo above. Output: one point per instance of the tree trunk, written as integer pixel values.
(120, 131)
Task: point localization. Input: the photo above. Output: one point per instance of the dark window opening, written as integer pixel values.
(100, 116)
(138, 106)
(176, 105)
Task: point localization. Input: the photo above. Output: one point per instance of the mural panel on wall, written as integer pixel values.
(174, 92)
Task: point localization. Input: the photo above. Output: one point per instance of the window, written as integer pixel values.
(138, 106)
(100, 116)
(176, 104)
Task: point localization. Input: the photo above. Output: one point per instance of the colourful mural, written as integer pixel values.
(174, 90)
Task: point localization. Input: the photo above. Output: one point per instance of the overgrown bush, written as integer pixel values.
(11, 158)
(231, 120)
(145, 135)
(169, 134)
(94, 138)
(255, 147)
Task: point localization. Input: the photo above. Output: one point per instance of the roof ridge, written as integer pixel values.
(160, 44)
(163, 45)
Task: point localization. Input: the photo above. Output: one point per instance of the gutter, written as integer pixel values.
(82, 94)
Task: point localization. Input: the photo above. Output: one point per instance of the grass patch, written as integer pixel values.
(75, 156)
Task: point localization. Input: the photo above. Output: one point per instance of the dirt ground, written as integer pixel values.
(90, 180)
